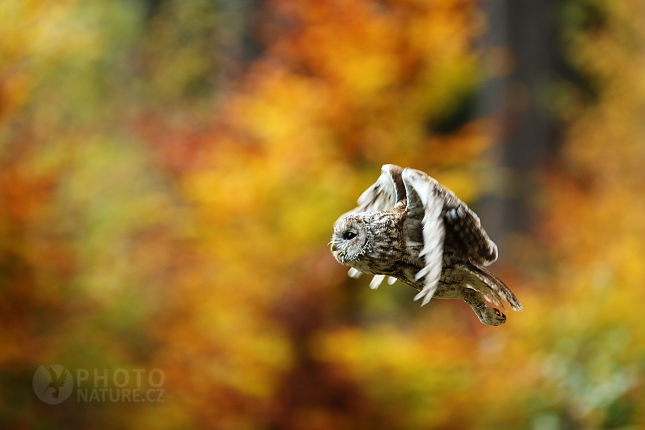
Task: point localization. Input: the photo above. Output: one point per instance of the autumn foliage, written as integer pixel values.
(170, 172)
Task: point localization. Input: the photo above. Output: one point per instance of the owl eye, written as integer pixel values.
(349, 235)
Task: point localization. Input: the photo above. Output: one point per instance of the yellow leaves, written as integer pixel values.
(255, 351)
(361, 60)
(282, 110)
(422, 373)
(50, 53)
(446, 81)
(287, 164)
(595, 220)
(46, 32)
(367, 74)
(229, 193)
(203, 253)
(391, 352)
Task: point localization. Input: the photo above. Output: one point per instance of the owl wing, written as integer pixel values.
(384, 193)
(447, 225)
(424, 209)
(465, 236)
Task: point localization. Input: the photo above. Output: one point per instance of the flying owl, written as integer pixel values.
(409, 227)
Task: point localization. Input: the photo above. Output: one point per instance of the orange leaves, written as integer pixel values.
(14, 90)
(342, 84)
(347, 44)
(280, 111)
(202, 252)
(381, 72)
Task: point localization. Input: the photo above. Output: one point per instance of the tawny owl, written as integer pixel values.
(409, 227)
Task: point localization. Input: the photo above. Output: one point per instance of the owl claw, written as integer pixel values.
(486, 314)
(497, 319)
(490, 316)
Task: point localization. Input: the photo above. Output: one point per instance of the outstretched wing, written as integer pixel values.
(465, 235)
(384, 193)
(448, 225)
(425, 208)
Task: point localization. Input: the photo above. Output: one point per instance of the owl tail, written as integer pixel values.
(489, 285)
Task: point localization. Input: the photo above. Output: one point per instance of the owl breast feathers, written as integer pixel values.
(409, 227)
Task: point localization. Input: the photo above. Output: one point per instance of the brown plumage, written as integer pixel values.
(409, 227)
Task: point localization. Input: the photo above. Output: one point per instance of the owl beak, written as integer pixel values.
(333, 247)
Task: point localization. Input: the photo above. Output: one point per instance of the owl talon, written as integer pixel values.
(487, 315)
(492, 316)
(497, 319)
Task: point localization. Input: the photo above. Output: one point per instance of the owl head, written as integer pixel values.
(351, 239)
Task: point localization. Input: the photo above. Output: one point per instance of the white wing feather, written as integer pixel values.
(376, 281)
(433, 231)
(380, 196)
(353, 273)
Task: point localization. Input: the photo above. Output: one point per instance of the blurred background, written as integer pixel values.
(170, 171)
